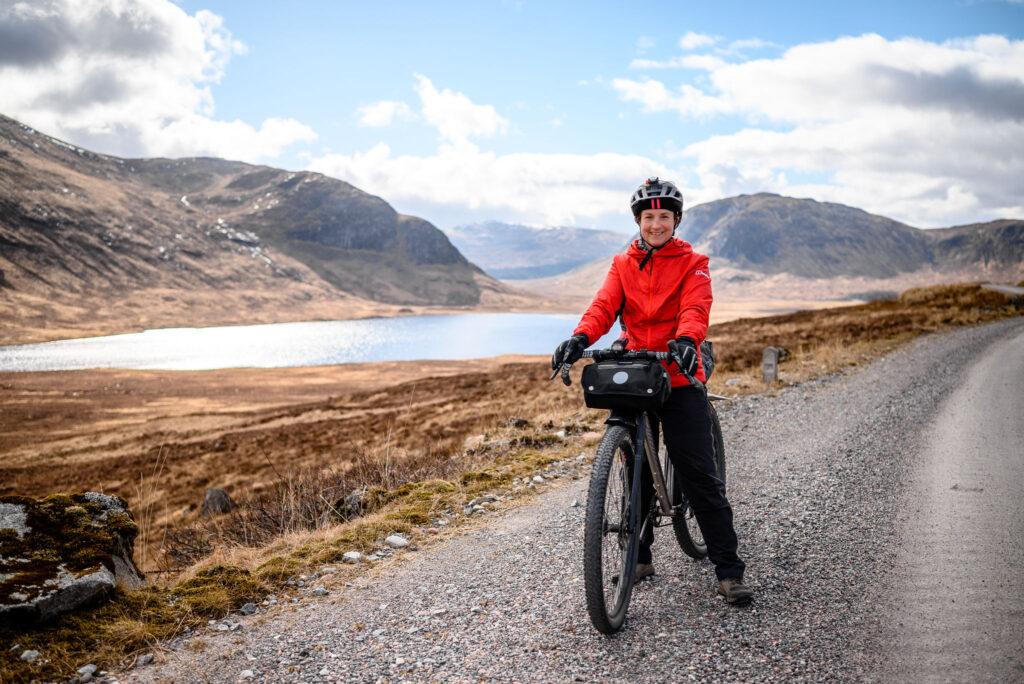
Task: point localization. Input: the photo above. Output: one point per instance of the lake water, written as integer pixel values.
(320, 343)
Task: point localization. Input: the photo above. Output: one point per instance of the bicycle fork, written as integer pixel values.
(660, 486)
(644, 438)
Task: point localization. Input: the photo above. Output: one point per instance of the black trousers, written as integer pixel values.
(686, 425)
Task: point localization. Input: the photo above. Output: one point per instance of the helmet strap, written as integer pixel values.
(642, 244)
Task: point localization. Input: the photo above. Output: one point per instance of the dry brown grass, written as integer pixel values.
(739, 343)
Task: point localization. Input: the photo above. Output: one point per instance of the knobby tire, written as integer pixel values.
(609, 549)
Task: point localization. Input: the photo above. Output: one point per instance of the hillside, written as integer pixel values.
(771, 234)
(514, 252)
(766, 246)
(91, 243)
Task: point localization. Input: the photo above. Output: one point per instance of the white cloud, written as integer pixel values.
(929, 133)
(543, 189)
(455, 116)
(644, 43)
(700, 62)
(653, 96)
(693, 40)
(749, 43)
(384, 113)
(128, 78)
(461, 178)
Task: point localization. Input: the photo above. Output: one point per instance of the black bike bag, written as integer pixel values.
(626, 385)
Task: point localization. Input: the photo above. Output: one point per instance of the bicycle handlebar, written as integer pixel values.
(623, 355)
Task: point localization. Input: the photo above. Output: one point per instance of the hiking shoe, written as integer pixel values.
(736, 593)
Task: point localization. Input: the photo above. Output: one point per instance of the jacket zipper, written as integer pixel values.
(650, 290)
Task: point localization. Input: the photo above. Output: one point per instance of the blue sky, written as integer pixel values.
(549, 113)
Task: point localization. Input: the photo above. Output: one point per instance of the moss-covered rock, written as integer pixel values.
(63, 552)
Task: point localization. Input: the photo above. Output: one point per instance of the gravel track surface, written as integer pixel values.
(818, 478)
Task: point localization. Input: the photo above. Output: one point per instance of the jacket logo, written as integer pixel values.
(700, 272)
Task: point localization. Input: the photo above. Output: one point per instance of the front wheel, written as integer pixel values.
(609, 545)
(688, 533)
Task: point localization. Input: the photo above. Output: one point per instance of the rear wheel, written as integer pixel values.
(688, 533)
(609, 547)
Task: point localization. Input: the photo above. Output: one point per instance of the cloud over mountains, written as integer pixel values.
(930, 133)
(923, 129)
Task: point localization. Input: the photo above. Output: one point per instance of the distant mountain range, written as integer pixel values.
(237, 241)
(91, 243)
(772, 247)
(512, 252)
(771, 234)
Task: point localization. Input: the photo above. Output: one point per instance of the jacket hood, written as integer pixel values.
(674, 247)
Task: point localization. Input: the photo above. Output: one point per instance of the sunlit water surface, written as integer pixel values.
(458, 336)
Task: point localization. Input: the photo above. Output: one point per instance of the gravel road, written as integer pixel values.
(826, 480)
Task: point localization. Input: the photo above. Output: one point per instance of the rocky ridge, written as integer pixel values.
(771, 234)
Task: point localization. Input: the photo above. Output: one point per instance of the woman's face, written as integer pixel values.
(657, 226)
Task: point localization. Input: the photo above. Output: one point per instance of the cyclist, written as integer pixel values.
(662, 290)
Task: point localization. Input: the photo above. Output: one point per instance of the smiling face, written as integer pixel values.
(657, 226)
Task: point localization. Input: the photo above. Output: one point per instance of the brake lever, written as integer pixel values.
(693, 381)
(564, 370)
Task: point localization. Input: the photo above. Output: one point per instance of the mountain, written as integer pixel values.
(87, 238)
(769, 246)
(771, 234)
(996, 243)
(353, 240)
(512, 252)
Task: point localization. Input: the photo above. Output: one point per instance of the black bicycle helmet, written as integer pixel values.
(657, 194)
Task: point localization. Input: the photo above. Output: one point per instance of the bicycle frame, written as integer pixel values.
(645, 444)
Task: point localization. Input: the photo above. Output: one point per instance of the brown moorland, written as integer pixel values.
(300, 437)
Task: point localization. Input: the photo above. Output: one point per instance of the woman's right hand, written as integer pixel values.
(570, 350)
(684, 354)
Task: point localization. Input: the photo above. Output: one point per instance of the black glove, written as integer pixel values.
(570, 350)
(684, 354)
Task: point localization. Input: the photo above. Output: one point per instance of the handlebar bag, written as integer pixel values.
(626, 385)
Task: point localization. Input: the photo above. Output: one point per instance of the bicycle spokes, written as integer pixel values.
(609, 534)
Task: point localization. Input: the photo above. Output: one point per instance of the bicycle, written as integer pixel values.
(613, 525)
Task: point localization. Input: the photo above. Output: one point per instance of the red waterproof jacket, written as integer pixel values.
(670, 297)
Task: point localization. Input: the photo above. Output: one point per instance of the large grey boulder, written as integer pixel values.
(215, 502)
(63, 552)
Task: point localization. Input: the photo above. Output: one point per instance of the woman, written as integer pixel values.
(662, 289)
